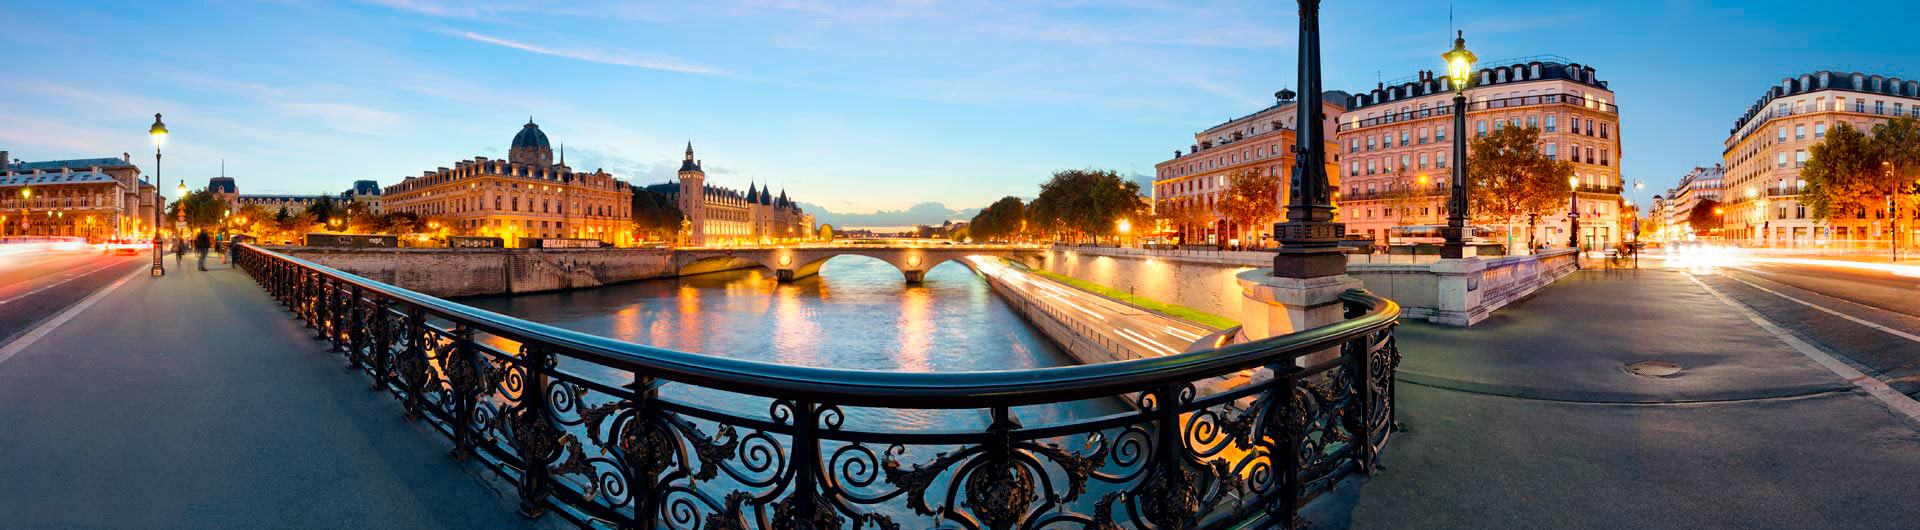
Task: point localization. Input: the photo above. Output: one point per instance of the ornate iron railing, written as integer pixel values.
(610, 433)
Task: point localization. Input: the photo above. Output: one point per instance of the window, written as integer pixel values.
(1780, 133)
(1442, 161)
(1403, 161)
(1369, 143)
(1550, 123)
(1604, 159)
(1604, 126)
(1423, 160)
(1499, 124)
(1879, 107)
(1800, 158)
(1371, 167)
(1820, 130)
(1533, 121)
(1480, 128)
(1780, 160)
(1440, 134)
(1423, 133)
(1552, 150)
(1403, 134)
(1576, 126)
(1355, 170)
(1386, 140)
(1799, 132)
(1353, 145)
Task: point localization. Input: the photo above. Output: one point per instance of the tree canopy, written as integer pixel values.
(1851, 170)
(1510, 178)
(1251, 200)
(1704, 217)
(1004, 219)
(654, 214)
(1086, 202)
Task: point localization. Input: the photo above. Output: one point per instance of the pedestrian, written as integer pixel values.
(200, 244)
(179, 250)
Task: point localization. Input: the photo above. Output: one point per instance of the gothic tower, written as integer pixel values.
(693, 195)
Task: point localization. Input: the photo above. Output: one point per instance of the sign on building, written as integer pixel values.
(558, 242)
(459, 242)
(352, 240)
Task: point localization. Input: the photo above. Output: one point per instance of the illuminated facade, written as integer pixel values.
(722, 216)
(1187, 187)
(1397, 138)
(1701, 184)
(1772, 141)
(365, 192)
(97, 198)
(527, 195)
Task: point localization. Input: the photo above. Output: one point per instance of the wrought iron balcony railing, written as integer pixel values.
(605, 432)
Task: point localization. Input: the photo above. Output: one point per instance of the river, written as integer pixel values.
(858, 313)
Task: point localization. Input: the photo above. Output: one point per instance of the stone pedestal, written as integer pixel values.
(1276, 306)
(1458, 285)
(915, 276)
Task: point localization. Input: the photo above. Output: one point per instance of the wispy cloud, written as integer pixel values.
(596, 56)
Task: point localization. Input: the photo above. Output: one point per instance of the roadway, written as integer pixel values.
(38, 281)
(1145, 334)
(1868, 314)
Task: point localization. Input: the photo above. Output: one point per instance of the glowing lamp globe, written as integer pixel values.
(1459, 63)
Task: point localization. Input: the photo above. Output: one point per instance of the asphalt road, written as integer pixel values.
(37, 283)
(1144, 333)
(1869, 318)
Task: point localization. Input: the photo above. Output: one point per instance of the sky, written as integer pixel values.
(853, 107)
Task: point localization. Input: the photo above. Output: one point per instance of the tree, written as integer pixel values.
(1705, 217)
(1251, 201)
(323, 210)
(826, 233)
(1004, 219)
(1406, 195)
(1839, 174)
(204, 210)
(1511, 178)
(1086, 202)
(655, 215)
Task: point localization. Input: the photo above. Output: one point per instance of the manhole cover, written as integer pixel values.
(1654, 368)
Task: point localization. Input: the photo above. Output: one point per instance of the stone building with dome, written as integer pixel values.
(724, 216)
(530, 194)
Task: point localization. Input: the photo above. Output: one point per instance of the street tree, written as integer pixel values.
(1705, 217)
(1510, 178)
(1251, 201)
(655, 215)
(1005, 219)
(1086, 202)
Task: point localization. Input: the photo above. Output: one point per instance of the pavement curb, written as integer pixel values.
(1608, 398)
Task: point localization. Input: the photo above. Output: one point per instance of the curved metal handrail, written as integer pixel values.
(638, 453)
(881, 388)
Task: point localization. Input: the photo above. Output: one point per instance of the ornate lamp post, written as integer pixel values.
(159, 134)
(25, 214)
(1460, 70)
(1893, 212)
(1573, 215)
(1309, 239)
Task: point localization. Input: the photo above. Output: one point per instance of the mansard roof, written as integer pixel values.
(1828, 80)
(1503, 72)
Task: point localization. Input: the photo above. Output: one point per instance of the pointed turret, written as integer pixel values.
(689, 164)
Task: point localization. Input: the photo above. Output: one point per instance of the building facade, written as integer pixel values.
(1188, 187)
(723, 216)
(1771, 142)
(1397, 141)
(365, 192)
(96, 198)
(527, 195)
(1701, 184)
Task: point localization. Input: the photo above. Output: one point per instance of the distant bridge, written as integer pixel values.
(790, 263)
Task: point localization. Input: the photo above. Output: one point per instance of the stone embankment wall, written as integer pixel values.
(448, 272)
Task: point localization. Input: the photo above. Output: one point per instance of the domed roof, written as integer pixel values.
(530, 136)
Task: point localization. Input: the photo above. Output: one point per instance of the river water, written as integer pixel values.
(858, 313)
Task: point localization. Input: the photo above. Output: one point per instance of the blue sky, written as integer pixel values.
(854, 106)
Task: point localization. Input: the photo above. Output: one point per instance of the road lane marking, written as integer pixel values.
(21, 343)
(71, 277)
(1895, 400)
(1856, 320)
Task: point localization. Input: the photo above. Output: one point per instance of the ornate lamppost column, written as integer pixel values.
(1309, 273)
(159, 134)
(1309, 238)
(1573, 215)
(1460, 70)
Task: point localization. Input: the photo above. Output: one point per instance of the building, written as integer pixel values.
(363, 191)
(1187, 187)
(526, 195)
(1769, 144)
(1701, 184)
(722, 216)
(1396, 141)
(97, 198)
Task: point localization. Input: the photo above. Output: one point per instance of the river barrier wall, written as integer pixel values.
(446, 272)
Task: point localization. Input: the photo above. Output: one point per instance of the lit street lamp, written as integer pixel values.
(1573, 215)
(159, 133)
(1893, 211)
(25, 214)
(1309, 239)
(1460, 70)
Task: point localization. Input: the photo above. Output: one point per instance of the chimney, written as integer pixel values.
(124, 157)
(5, 163)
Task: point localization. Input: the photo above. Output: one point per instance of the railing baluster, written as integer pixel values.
(383, 342)
(356, 329)
(532, 430)
(413, 376)
(463, 385)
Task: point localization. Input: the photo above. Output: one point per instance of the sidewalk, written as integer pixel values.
(1532, 420)
(195, 401)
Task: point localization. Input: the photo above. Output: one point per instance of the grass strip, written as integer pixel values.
(1177, 311)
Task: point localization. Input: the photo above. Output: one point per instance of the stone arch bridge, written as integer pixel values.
(790, 263)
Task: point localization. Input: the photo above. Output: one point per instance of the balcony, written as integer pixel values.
(1491, 104)
(1784, 191)
(1588, 188)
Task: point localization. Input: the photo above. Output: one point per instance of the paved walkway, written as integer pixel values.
(194, 401)
(1532, 420)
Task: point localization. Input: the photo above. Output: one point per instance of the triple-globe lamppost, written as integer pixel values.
(1460, 70)
(159, 133)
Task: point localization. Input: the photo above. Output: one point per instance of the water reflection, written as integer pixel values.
(872, 321)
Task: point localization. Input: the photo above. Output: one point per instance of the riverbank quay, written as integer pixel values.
(1092, 329)
(1632, 399)
(1451, 292)
(192, 401)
